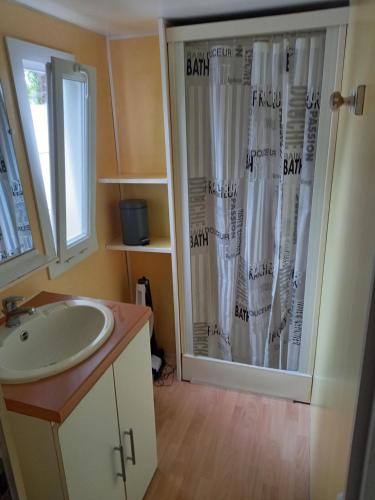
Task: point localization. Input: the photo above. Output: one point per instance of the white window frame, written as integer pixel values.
(18, 51)
(21, 266)
(61, 69)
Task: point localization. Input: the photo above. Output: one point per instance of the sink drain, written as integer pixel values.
(24, 336)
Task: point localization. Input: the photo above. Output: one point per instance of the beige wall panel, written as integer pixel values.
(348, 270)
(139, 111)
(157, 268)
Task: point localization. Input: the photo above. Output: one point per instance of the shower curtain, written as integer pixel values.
(252, 107)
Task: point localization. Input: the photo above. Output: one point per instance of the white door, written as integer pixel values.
(135, 403)
(88, 441)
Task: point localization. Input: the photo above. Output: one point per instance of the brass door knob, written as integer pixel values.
(354, 101)
(337, 100)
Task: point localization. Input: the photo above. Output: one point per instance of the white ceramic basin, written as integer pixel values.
(56, 337)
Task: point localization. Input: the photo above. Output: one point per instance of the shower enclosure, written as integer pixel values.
(253, 144)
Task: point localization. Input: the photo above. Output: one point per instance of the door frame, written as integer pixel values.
(206, 369)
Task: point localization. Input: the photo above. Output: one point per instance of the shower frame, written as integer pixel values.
(282, 383)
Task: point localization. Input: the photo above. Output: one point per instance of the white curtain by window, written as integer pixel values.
(252, 122)
(15, 232)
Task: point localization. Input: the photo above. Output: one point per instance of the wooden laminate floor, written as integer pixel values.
(218, 444)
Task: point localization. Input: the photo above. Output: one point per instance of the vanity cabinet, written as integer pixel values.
(106, 447)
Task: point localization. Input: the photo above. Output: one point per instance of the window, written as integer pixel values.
(72, 88)
(76, 171)
(15, 231)
(36, 85)
(56, 97)
(18, 256)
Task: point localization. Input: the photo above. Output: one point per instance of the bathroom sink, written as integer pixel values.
(55, 338)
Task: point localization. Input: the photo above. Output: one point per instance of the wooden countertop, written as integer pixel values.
(53, 398)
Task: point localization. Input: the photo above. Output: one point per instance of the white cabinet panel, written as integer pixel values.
(35, 447)
(87, 441)
(135, 402)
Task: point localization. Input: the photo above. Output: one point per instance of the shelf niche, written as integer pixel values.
(134, 179)
(156, 245)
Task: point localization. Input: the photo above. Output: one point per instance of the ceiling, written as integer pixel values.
(139, 17)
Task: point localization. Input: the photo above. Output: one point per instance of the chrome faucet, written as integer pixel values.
(12, 312)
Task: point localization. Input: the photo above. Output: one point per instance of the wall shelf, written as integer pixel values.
(133, 179)
(146, 149)
(157, 245)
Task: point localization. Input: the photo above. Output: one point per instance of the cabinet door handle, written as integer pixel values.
(131, 435)
(122, 473)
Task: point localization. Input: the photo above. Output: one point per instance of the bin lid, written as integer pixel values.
(133, 203)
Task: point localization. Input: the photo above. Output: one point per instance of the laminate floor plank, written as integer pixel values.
(219, 444)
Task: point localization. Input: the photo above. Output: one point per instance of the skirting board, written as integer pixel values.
(267, 381)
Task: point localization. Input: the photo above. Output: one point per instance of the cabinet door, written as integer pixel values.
(87, 439)
(135, 403)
